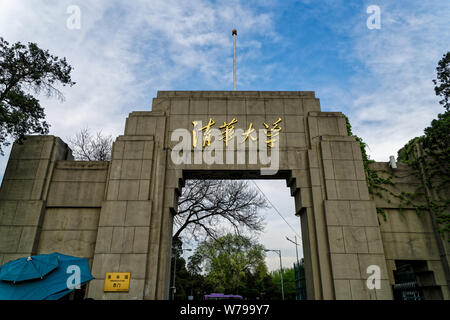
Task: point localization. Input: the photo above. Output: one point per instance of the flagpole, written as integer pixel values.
(234, 33)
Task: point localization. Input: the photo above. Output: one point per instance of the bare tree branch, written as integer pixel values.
(91, 148)
(208, 207)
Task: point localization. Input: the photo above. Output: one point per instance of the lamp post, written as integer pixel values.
(296, 269)
(296, 244)
(174, 252)
(281, 270)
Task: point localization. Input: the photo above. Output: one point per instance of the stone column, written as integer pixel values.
(344, 235)
(24, 192)
(133, 235)
(354, 237)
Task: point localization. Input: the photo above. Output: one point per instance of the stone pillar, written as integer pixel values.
(134, 229)
(24, 192)
(339, 218)
(354, 237)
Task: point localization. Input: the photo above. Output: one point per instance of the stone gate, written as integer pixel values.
(119, 213)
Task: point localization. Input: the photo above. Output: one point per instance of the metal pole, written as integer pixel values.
(296, 248)
(174, 271)
(282, 283)
(234, 33)
(281, 270)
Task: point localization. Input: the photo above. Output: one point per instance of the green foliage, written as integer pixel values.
(442, 82)
(436, 161)
(432, 163)
(288, 283)
(25, 69)
(429, 155)
(187, 283)
(374, 181)
(232, 264)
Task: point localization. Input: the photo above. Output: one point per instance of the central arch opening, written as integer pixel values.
(236, 235)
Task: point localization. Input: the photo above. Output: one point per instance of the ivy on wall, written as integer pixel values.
(429, 158)
(375, 182)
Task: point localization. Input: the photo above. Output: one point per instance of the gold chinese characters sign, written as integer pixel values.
(271, 132)
(117, 282)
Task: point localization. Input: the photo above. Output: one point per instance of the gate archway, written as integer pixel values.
(320, 162)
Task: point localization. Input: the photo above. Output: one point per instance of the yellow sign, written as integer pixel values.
(117, 281)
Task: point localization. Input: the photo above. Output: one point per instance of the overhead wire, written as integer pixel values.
(276, 209)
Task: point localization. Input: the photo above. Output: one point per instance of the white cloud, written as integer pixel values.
(393, 98)
(127, 50)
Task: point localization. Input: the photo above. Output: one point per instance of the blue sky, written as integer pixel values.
(125, 51)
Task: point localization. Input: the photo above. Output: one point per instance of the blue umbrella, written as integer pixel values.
(71, 273)
(33, 267)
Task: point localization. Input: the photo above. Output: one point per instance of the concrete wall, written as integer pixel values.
(24, 191)
(119, 214)
(48, 203)
(73, 206)
(407, 234)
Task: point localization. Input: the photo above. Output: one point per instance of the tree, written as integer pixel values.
(442, 82)
(288, 283)
(187, 283)
(232, 264)
(206, 207)
(429, 156)
(25, 69)
(88, 147)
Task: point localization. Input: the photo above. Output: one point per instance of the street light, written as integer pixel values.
(281, 270)
(296, 244)
(296, 268)
(175, 269)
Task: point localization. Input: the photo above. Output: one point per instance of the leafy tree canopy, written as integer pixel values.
(229, 263)
(433, 161)
(442, 82)
(27, 69)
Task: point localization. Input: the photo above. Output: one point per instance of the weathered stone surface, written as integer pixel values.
(345, 266)
(119, 214)
(355, 240)
(342, 289)
(409, 246)
(79, 243)
(336, 239)
(71, 219)
(76, 194)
